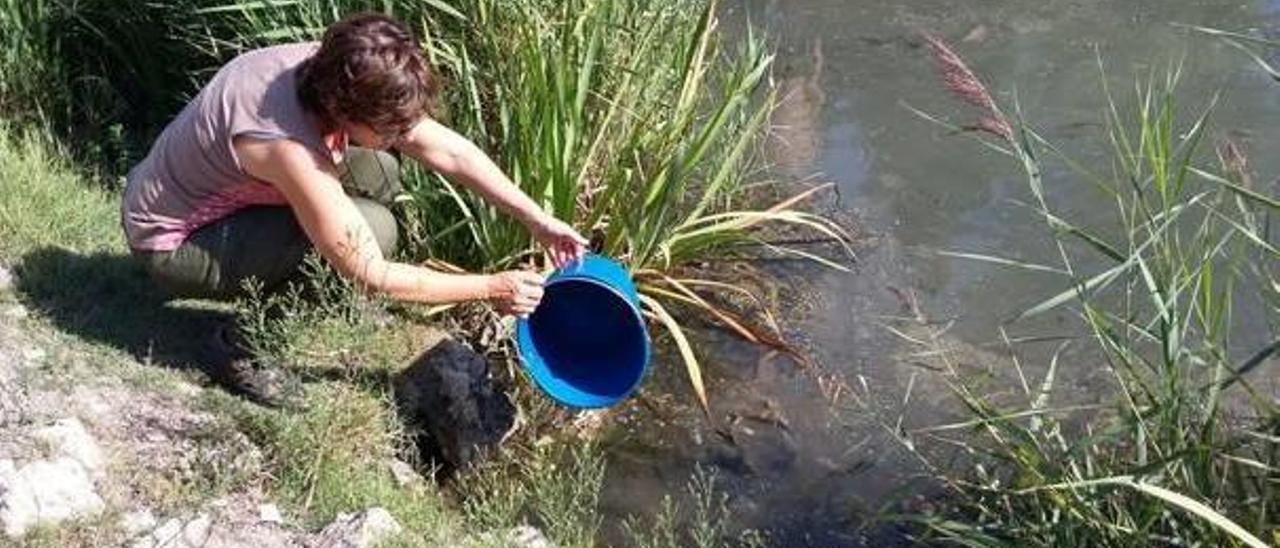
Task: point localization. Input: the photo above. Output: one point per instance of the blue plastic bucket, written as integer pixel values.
(586, 345)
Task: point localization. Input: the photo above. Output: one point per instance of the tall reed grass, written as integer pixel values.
(104, 76)
(1187, 449)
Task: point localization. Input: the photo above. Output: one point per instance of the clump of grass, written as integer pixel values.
(554, 486)
(24, 29)
(334, 455)
(1185, 449)
(321, 322)
(95, 531)
(46, 201)
(334, 458)
(706, 527)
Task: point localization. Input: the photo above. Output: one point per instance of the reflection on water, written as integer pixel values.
(795, 138)
(795, 467)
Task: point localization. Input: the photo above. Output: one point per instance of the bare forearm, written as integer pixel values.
(406, 282)
(481, 175)
(339, 232)
(456, 157)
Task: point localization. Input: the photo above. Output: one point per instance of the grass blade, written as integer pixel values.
(1002, 261)
(682, 344)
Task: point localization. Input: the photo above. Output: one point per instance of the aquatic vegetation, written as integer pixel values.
(1185, 450)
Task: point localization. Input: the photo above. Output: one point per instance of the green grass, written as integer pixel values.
(554, 485)
(45, 201)
(95, 531)
(60, 233)
(334, 458)
(1185, 450)
(104, 75)
(93, 315)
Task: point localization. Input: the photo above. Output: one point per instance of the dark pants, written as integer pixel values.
(266, 242)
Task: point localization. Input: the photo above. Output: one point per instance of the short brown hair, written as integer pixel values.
(369, 69)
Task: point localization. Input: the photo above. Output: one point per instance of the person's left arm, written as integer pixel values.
(454, 156)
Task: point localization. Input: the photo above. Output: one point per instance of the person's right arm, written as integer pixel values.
(339, 232)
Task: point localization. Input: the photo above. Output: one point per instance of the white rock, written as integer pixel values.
(33, 357)
(526, 536)
(137, 522)
(94, 406)
(404, 473)
(269, 513)
(68, 438)
(16, 501)
(361, 530)
(45, 492)
(169, 531)
(17, 312)
(6, 279)
(187, 389)
(194, 534)
(197, 533)
(162, 535)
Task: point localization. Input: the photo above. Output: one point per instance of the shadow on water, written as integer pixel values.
(107, 298)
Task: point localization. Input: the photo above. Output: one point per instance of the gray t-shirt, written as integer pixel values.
(192, 176)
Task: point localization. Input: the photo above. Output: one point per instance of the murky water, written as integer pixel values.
(793, 464)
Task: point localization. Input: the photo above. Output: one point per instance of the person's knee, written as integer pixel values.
(381, 222)
(372, 173)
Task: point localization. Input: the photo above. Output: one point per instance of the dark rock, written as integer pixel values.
(448, 396)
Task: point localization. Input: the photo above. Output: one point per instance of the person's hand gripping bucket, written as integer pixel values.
(586, 345)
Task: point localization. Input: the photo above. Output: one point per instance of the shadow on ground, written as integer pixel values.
(107, 298)
(446, 395)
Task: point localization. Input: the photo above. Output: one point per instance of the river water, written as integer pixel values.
(805, 454)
